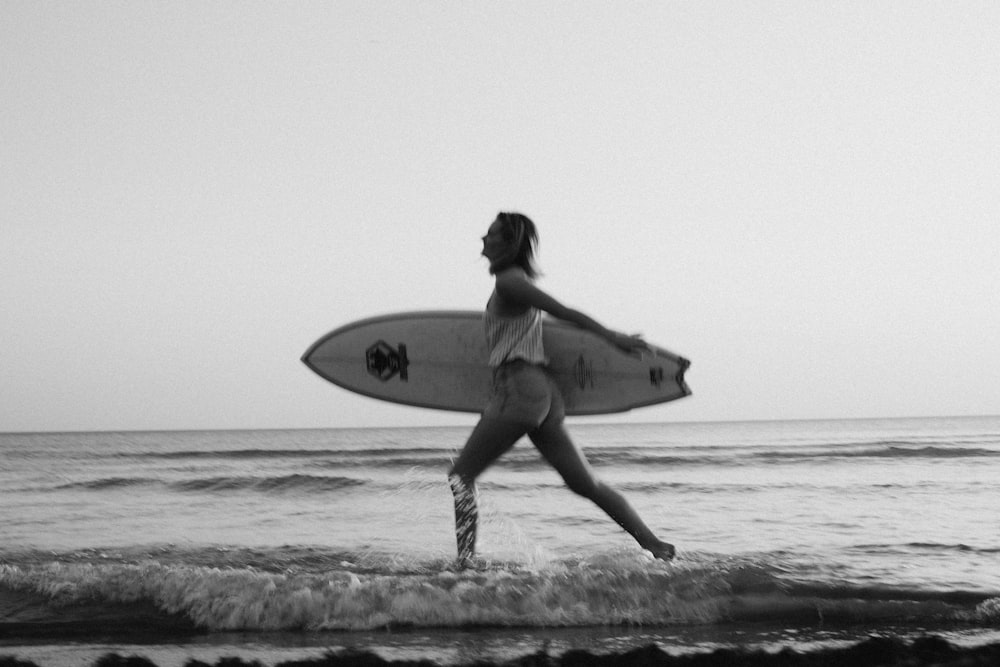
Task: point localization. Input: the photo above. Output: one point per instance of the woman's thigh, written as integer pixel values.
(488, 442)
(554, 443)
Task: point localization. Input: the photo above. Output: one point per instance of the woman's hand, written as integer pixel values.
(629, 344)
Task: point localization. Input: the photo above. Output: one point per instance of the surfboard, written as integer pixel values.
(438, 359)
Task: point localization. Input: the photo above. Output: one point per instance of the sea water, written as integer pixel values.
(268, 544)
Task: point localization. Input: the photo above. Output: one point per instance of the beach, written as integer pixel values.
(795, 539)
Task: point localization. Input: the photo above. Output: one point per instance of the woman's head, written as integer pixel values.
(511, 240)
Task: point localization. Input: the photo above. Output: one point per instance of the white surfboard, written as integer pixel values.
(438, 359)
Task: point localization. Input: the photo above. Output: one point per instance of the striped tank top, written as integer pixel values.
(510, 338)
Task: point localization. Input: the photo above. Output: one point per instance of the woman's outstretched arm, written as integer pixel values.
(516, 289)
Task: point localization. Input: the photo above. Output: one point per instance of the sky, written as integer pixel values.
(800, 197)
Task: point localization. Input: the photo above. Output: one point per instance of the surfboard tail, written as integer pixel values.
(682, 366)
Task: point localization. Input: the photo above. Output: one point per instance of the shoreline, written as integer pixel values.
(872, 652)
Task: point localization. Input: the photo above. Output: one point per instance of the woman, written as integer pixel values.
(525, 400)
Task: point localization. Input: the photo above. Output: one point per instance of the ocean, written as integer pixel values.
(276, 545)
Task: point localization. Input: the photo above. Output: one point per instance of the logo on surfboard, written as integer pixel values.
(385, 363)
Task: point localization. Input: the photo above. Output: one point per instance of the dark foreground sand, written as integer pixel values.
(874, 652)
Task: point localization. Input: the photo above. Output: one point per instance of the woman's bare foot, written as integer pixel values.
(464, 563)
(662, 550)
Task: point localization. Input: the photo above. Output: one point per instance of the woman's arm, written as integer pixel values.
(514, 288)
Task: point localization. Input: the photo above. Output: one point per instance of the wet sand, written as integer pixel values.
(873, 652)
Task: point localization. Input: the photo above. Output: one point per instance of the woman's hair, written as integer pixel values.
(520, 230)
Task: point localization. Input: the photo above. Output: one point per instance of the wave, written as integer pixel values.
(279, 484)
(240, 454)
(109, 483)
(366, 592)
(269, 484)
(928, 546)
(300, 483)
(805, 454)
(927, 451)
(876, 451)
(526, 458)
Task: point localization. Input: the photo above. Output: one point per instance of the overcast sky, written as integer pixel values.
(800, 197)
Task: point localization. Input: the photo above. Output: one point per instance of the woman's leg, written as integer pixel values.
(489, 440)
(555, 445)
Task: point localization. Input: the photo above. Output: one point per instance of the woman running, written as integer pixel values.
(525, 400)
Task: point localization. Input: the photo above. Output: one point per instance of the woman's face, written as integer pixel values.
(495, 246)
